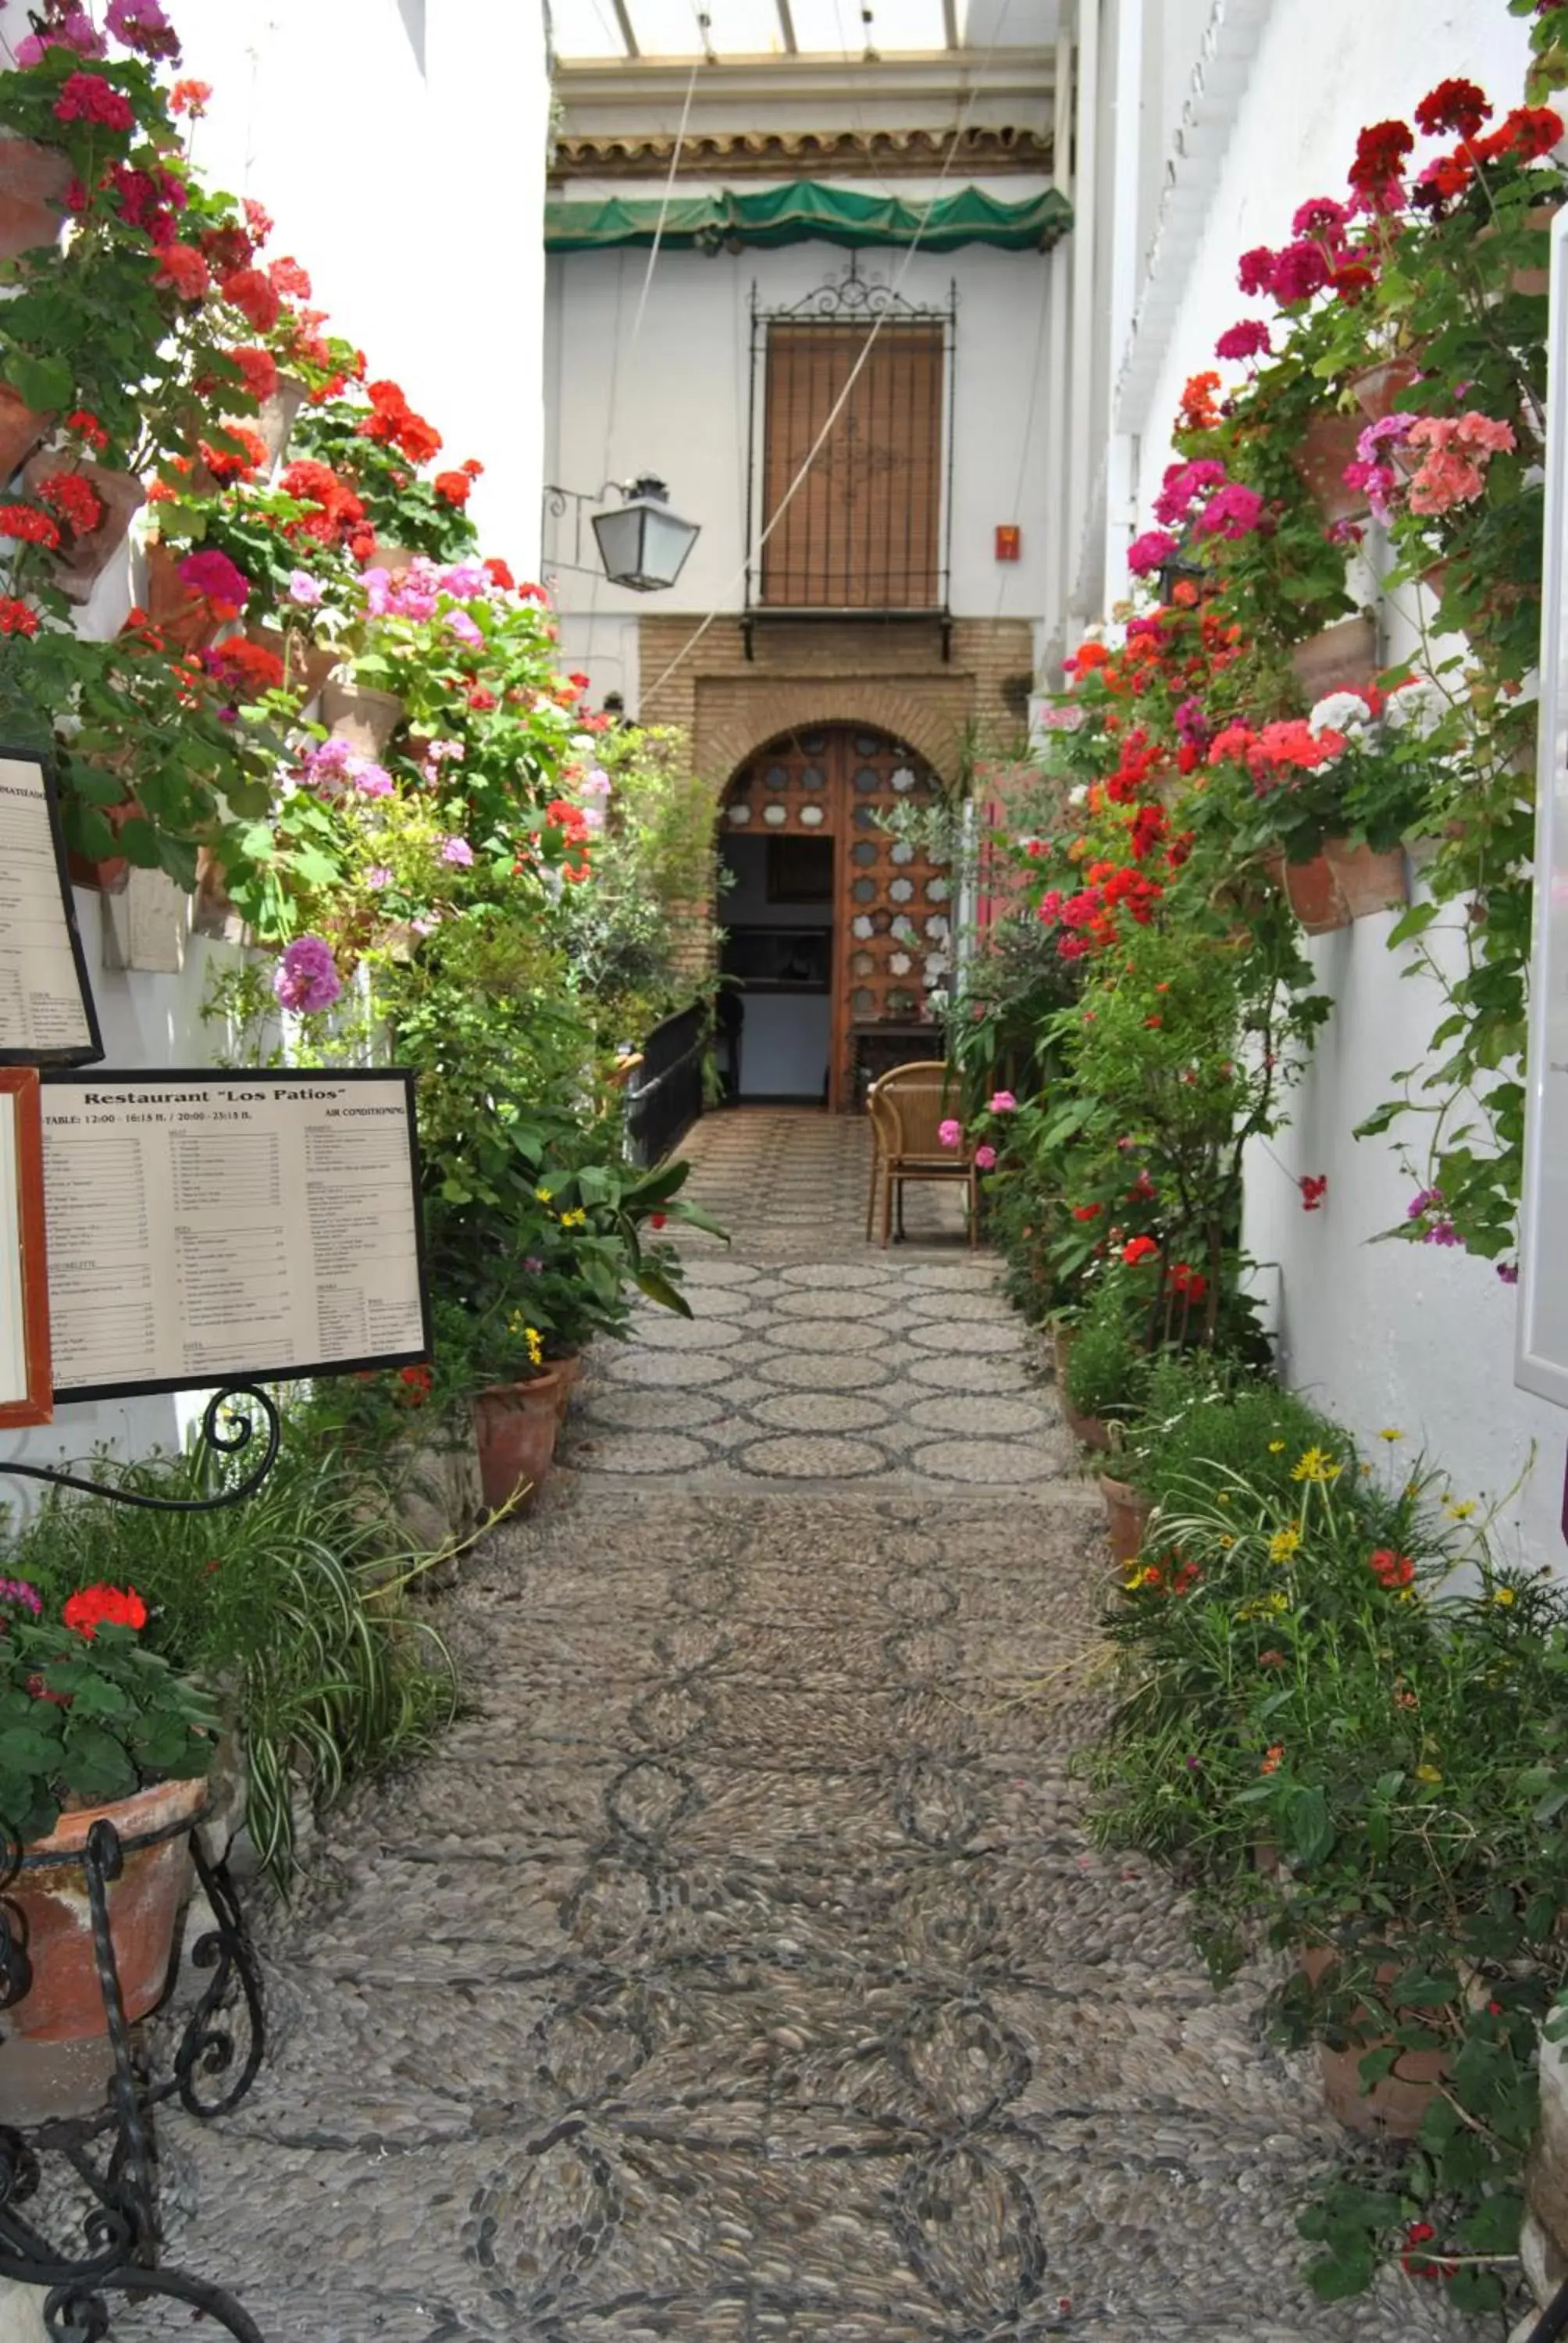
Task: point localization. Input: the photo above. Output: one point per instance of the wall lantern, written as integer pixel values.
(641, 544)
(644, 544)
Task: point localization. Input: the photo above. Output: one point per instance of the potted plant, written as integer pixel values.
(513, 1394)
(95, 1728)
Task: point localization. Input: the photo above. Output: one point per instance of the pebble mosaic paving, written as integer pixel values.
(740, 1971)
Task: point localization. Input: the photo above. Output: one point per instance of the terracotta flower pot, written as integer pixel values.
(21, 429)
(1061, 1341)
(64, 2002)
(306, 667)
(363, 717)
(1368, 882)
(1340, 658)
(1091, 1431)
(1378, 390)
(568, 1373)
(1396, 2104)
(516, 1426)
(185, 617)
(1328, 445)
(82, 560)
(1313, 894)
(275, 418)
(112, 875)
(33, 183)
(1127, 1512)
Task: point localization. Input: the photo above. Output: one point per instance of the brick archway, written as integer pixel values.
(740, 726)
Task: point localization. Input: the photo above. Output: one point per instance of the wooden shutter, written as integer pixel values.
(862, 530)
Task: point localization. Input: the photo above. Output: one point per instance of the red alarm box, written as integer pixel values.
(1008, 541)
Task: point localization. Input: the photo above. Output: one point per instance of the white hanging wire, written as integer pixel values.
(739, 580)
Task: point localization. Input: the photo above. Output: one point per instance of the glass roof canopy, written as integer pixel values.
(591, 32)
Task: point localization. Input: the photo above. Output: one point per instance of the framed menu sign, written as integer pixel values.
(25, 1391)
(208, 1228)
(46, 1012)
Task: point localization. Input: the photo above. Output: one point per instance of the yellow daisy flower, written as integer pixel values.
(1462, 1511)
(1388, 1432)
(1283, 1543)
(1504, 1595)
(1317, 1465)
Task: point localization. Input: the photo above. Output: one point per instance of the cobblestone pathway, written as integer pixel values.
(741, 1970)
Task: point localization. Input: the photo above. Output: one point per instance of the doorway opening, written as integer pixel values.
(838, 937)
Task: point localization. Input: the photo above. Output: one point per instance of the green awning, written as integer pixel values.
(809, 212)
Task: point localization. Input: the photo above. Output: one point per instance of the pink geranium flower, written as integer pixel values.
(984, 1158)
(1003, 1103)
(949, 1132)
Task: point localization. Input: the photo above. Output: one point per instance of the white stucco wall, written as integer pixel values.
(1417, 1338)
(399, 145)
(673, 400)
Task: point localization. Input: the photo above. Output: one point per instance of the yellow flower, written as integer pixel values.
(1504, 1595)
(1283, 1543)
(544, 1194)
(1276, 1447)
(1427, 1774)
(574, 1220)
(536, 1343)
(1276, 1602)
(1224, 1497)
(1226, 1544)
(1388, 1432)
(1317, 1465)
(1462, 1511)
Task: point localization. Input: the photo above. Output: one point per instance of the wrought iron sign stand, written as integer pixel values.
(110, 2152)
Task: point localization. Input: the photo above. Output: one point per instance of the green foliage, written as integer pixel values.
(291, 1605)
(86, 1719)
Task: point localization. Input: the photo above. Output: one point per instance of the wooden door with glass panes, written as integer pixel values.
(892, 908)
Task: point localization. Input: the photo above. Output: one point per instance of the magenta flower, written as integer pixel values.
(305, 590)
(949, 1132)
(1232, 511)
(1508, 1270)
(984, 1158)
(467, 580)
(306, 978)
(1249, 340)
(1255, 271)
(1151, 551)
(1299, 271)
(1183, 482)
(378, 875)
(1003, 1103)
(74, 31)
(370, 780)
(15, 1594)
(459, 852)
(1320, 216)
(458, 623)
(215, 576)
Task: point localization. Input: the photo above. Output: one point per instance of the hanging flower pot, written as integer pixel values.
(516, 1426)
(181, 615)
(1367, 881)
(1378, 390)
(21, 429)
(64, 2002)
(356, 712)
(1127, 1514)
(1343, 657)
(33, 183)
(306, 667)
(1312, 891)
(274, 418)
(1330, 445)
(86, 553)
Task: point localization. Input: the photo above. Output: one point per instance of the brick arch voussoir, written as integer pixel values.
(731, 739)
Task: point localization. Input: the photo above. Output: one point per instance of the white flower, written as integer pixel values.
(1079, 796)
(1342, 711)
(1417, 706)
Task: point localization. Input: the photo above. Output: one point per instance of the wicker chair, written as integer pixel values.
(907, 1108)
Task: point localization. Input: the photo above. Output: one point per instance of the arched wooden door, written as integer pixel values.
(892, 911)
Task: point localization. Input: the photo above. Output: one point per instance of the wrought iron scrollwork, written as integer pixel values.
(226, 1431)
(852, 298)
(110, 2152)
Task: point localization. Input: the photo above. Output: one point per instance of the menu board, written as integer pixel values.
(1541, 1358)
(208, 1228)
(46, 1012)
(24, 1392)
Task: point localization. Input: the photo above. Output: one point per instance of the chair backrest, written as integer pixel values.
(915, 1101)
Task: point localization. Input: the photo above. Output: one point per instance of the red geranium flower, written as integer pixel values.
(1460, 107)
(87, 428)
(73, 500)
(183, 266)
(98, 1606)
(28, 526)
(252, 295)
(190, 97)
(1138, 1249)
(453, 487)
(1381, 154)
(1087, 1212)
(1314, 1188)
(17, 617)
(259, 368)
